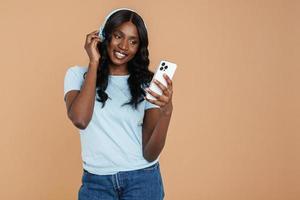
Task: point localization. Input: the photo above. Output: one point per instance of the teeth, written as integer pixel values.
(119, 55)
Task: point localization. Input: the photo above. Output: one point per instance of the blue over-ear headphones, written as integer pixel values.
(101, 33)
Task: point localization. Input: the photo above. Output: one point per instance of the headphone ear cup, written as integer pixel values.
(101, 34)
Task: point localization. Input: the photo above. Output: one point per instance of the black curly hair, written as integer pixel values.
(140, 75)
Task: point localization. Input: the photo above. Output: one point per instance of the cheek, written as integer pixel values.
(133, 54)
(110, 47)
(112, 44)
(134, 50)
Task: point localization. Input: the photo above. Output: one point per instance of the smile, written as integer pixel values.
(119, 55)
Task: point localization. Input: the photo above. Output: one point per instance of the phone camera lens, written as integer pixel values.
(161, 68)
(163, 64)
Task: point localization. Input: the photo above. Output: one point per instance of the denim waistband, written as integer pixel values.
(154, 166)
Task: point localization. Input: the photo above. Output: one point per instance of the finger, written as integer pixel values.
(94, 38)
(161, 99)
(156, 102)
(169, 81)
(91, 39)
(154, 94)
(94, 32)
(91, 36)
(95, 42)
(162, 87)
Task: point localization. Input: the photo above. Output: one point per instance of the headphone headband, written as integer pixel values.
(101, 34)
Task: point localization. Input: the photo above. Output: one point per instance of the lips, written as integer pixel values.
(119, 54)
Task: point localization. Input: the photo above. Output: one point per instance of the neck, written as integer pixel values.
(118, 70)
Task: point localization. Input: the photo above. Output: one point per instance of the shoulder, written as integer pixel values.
(77, 71)
(74, 78)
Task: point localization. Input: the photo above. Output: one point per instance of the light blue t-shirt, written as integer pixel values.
(112, 141)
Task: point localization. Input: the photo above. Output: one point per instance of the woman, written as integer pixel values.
(121, 132)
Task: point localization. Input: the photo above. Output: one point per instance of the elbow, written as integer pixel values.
(151, 154)
(80, 125)
(149, 158)
(79, 122)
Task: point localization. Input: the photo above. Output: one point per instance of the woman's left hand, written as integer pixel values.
(164, 100)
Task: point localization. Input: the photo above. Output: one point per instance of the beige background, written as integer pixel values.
(234, 134)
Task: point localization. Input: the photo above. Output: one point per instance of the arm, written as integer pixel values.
(155, 128)
(80, 104)
(156, 121)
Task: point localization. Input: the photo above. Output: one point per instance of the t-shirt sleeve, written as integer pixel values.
(72, 81)
(149, 105)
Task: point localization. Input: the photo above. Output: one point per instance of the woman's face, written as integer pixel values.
(124, 44)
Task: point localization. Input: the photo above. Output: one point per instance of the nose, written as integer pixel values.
(123, 44)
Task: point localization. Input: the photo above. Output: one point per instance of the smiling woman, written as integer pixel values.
(121, 134)
(124, 50)
(123, 47)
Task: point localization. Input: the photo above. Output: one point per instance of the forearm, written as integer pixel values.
(82, 107)
(158, 137)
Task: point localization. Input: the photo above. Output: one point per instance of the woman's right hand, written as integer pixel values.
(90, 46)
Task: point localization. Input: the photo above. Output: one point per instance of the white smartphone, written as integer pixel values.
(165, 67)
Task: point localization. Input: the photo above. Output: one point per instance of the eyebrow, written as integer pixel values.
(131, 37)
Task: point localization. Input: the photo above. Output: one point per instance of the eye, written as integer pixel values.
(133, 42)
(117, 36)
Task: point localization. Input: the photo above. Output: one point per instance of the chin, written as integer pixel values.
(118, 62)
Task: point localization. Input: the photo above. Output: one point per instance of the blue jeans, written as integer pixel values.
(141, 184)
